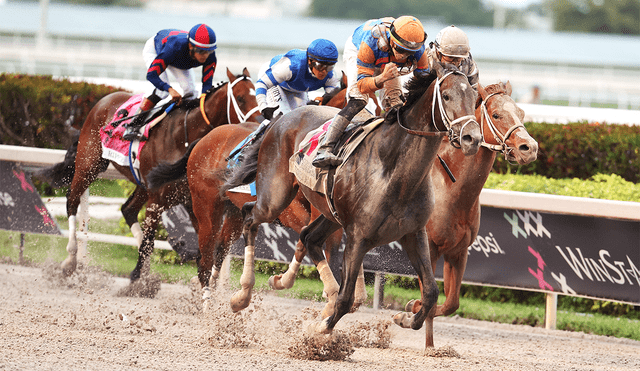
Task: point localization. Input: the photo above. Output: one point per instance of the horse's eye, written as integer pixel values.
(240, 100)
(445, 96)
(495, 116)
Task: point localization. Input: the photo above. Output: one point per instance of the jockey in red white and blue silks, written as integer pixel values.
(178, 52)
(283, 83)
(169, 50)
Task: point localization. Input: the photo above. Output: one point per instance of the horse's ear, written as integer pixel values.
(482, 93)
(230, 75)
(245, 72)
(507, 88)
(439, 69)
(343, 81)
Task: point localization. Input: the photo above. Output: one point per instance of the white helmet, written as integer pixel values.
(453, 42)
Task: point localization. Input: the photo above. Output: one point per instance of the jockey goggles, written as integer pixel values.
(322, 66)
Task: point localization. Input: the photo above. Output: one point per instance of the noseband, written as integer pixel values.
(231, 101)
(500, 138)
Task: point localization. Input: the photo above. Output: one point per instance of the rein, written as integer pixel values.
(500, 138)
(231, 101)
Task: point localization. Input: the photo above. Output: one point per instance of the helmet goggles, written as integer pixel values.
(321, 66)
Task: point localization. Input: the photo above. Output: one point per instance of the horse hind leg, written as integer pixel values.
(241, 299)
(130, 210)
(287, 279)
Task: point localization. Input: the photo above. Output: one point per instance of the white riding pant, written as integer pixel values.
(286, 100)
(185, 78)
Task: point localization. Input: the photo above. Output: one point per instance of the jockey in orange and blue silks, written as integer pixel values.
(179, 52)
(376, 55)
(284, 82)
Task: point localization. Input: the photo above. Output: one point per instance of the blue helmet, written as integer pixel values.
(202, 37)
(323, 51)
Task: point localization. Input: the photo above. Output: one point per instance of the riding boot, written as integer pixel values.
(325, 157)
(133, 128)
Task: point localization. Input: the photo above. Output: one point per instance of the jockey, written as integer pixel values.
(376, 55)
(283, 83)
(178, 52)
(452, 46)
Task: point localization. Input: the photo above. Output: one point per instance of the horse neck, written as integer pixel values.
(215, 107)
(407, 152)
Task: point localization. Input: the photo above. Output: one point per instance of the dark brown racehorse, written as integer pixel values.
(382, 193)
(231, 102)
(219, 219)
(456, 216)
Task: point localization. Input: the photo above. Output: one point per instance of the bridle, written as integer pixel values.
(437, 98)
(500, 138)
(231, 102)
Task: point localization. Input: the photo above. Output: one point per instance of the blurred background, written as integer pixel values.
(572, 52)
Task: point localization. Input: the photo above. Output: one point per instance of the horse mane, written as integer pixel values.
(416, 87)
(497, 88)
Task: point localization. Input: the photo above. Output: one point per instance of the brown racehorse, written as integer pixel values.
(382, 193)
(218, 215)
(456, 216)
(232, 102)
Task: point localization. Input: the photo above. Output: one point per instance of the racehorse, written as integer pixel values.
(218, 215)
(169, 141)
(456, 216)
(382, 193)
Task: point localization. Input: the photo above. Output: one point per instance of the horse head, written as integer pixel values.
(446, 102)
(501, 124)
(239, 98)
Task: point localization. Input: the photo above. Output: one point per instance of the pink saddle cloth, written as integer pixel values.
(114, 148)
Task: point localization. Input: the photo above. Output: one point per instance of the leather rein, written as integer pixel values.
(231, 102)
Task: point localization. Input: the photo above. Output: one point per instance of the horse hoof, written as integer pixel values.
(403, 319)
(68, 266)
(275, 282)
(413, 306)
(321, 327)
(240, 301)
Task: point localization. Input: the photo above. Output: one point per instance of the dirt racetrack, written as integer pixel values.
(50, 323)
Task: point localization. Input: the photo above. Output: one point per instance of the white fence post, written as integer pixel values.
(378, 290)
(551, 311)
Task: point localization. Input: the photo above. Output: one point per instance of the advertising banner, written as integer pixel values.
(566, 254)
(21, 208)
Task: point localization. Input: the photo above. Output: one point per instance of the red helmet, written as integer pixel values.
(407, 33)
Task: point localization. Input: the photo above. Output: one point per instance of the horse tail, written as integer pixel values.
(61, 174)
(245, 173)
(167, 173)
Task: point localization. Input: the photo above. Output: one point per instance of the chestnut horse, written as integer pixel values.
(456, 217)
(218, 215)
(234, 104)
(382, 193)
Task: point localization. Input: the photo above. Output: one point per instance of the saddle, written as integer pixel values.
(316, 178)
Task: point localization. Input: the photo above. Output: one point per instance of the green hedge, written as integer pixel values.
(38, 111)
(581, 150)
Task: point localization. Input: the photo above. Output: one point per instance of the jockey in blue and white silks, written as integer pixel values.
(283, 83)
(178, 52)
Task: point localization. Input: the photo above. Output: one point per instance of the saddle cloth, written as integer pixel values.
(300, 164)
(114, 148)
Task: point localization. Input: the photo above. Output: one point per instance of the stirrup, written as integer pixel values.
(133, 134)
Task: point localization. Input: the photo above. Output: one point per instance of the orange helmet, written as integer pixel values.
(407, 33)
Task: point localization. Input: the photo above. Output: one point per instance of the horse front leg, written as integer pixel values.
(287, 279)
(130, 210)
(84, 175)
(415, 244)
(152, 218)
